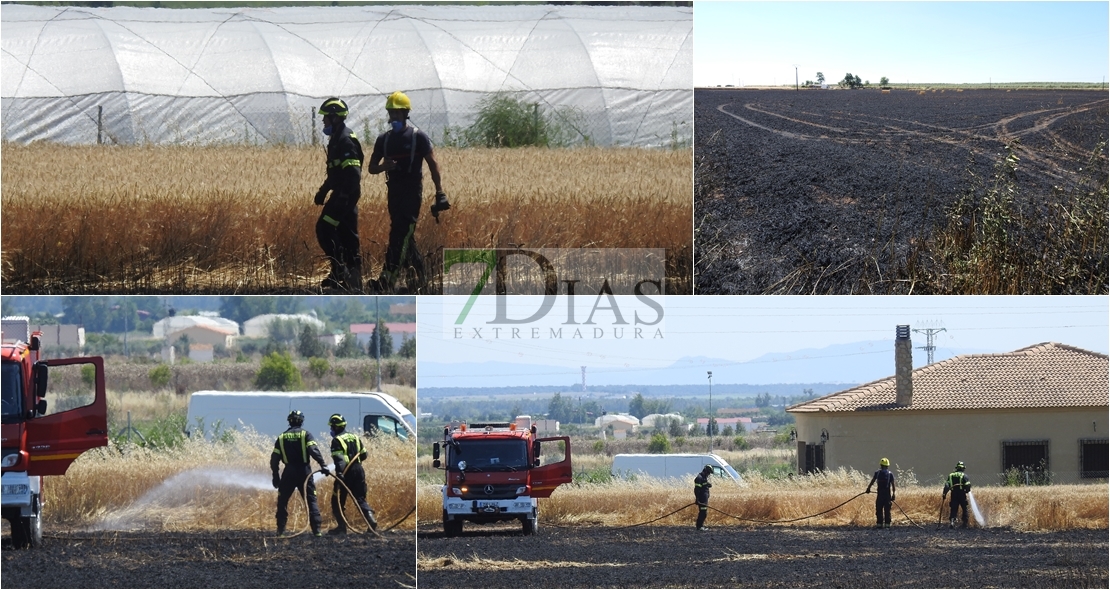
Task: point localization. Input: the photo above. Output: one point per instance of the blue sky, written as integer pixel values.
(745, 327)
(759, 43)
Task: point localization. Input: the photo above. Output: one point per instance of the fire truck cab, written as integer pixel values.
(496, 472)
(43, 434)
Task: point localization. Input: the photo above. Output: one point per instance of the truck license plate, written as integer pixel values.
(488, 506)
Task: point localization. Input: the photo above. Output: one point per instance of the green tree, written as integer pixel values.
(884, 81)
(675, 428)
(387, 341)
(560, 408)
(820, 78)
(348, 347)
(408, 349)
(309, 344)
(636, 406)
(277, 373)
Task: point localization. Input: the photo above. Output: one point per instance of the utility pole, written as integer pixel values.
(795, 77)
(930, 334)
(378, 343)
(583, 377)
(709, 425)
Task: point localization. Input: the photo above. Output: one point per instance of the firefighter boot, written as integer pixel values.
(369, 514)
(352, 281)
(340, 529)
(333, 282)
(951, 523)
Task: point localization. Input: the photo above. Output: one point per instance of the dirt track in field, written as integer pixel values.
(764, 557)
(212, 560)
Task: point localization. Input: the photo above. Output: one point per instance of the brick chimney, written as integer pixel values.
(903, 367)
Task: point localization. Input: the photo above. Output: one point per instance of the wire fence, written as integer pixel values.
(171, 121)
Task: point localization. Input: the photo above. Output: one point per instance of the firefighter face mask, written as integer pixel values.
(398, 126)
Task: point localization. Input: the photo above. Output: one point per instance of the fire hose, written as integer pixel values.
(782, 521)
(304, 502)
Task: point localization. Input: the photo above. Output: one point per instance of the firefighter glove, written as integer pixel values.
(321, 195)
(325, 470)
(892, 496)
(276, 482)
(440, 204)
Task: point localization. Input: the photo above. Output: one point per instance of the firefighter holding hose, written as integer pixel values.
(348, 452)
(337, 227)
(401, 153)
(701, 495)
(960, 486)
(885, 480)
(294, 448)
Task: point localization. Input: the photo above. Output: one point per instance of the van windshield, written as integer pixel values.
(12, 384)
(488, 455)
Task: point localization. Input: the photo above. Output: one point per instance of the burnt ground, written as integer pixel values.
(763, 557)
(211, 560)
(839, 191)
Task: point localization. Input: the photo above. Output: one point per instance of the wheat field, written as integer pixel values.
(241, 219)
(623, 503)
(208, 486)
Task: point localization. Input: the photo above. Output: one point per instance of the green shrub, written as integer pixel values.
(318, 367)
(160, 376)
(599, 446)
(277, 373)
(88, 375)
(659, 443)
(741, 443)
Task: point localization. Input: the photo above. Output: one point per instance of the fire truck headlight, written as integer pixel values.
(522, 490)
(11, 458)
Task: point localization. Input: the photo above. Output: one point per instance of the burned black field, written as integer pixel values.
(762, 557)
(212, 560)
(868, 192)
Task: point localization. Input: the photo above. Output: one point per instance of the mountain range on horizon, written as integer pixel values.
(851, 364)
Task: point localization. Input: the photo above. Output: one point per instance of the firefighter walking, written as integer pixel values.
(885, 493)
(701, 495)
(401, 153)
(960, 486)
(294, 448)
(348, 453)
(337, 226)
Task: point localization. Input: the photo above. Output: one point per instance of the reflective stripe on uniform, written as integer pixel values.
(288, 436)
(330, 220)
(345, 163)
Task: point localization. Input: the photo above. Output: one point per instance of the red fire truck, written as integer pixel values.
(39, 440)
(495, 472)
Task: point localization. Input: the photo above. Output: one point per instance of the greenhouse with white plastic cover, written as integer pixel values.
(609, 75)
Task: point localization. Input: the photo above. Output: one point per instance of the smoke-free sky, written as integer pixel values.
(746, 327)
(760, 43)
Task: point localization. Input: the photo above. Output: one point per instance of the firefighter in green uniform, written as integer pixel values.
(960, 486)
(348, 452)
(701, 495)
(294, 448)
(337, 227)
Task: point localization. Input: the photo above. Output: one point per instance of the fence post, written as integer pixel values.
(312, 130)
(99, 125)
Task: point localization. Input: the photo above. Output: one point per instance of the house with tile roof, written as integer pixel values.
(1040, 410)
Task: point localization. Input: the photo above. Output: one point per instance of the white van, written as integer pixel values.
(676, 465)
(267, 411)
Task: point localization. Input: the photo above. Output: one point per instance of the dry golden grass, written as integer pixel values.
(203, 486)
(237, 219)
(624, 503)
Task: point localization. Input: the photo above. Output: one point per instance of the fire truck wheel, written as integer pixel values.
(34, 526)
(451, 528)
(530, 525)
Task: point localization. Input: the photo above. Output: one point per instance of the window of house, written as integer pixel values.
(1025, 462)
(811, 457)
(1092, 458)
